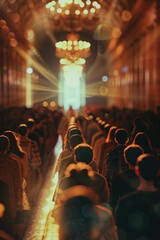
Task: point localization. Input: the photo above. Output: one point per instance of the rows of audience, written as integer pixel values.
(27, 141)
(108, 172)
(108, 179)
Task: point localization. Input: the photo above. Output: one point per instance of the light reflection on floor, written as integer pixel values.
(51, 229)
(41, 225)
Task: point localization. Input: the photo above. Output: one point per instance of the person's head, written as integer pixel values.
(147, 166)
(131, 153)
(83, 153)
(67, 135)
(72, 125)
(4, 144)
(121, 136)
(79, 218)
(111, 134)
(78, 200)
(140, 124)
(143, 141)
(75, 139)
(30, 123)
(73, 131)
(76, 168)
(14, 143)
(22, 129)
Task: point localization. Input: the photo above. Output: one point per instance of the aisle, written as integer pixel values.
(41, 225)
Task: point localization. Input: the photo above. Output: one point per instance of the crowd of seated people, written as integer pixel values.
(114, 168)
(27, 140)
(108, 171)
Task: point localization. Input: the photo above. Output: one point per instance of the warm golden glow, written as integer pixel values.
(45, 104)
(79, 61)
(126, 15)
(73, 7)
(103, 91)
(28, 90)
(30, 35)
(13, 42)
(52, 104)
(119, 50)
(70, 71)
(73, 49)
(2, 209)
(116, 32)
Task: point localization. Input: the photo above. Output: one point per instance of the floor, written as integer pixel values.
(41, 224)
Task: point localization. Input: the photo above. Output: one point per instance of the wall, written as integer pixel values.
(134, 65)
(12, 71)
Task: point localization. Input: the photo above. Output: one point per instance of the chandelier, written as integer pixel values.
(86, 8)
(73, 50)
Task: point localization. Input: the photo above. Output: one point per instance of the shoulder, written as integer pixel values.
(103, 211)
(129, 199)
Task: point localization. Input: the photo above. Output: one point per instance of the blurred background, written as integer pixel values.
(80, 53)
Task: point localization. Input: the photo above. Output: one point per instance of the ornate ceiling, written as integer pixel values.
(32, 23)
(32, 14)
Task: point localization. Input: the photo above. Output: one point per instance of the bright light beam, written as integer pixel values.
(47, 74)
(38, 87)
(43, 98)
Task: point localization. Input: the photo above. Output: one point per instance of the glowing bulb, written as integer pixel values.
(67, 12)
(45, 104)
(52, 9)
(103, 91)
(59, 10)
(98, 6)
(92, 10)
(116, 32)
(30, 35)
(29, 70)
(88, 2)
(104, 78)
(126, 15)
(52, 104)
(77, 12)
(75, 42)
(81, 4)
(94, 3)
(85, 11)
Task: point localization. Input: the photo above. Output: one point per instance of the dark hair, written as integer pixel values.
(121, 135)
(148, 166)
(143, 140)
(73, 131)
(140, 124)
(83, 153)
(131, 153)
(14, 144)
(30, 122)
(22, 129)
(4, 143)
(75, 140)
(79, 218)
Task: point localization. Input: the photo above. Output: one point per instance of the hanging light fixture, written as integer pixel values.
(73, 50)
(74, 7)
